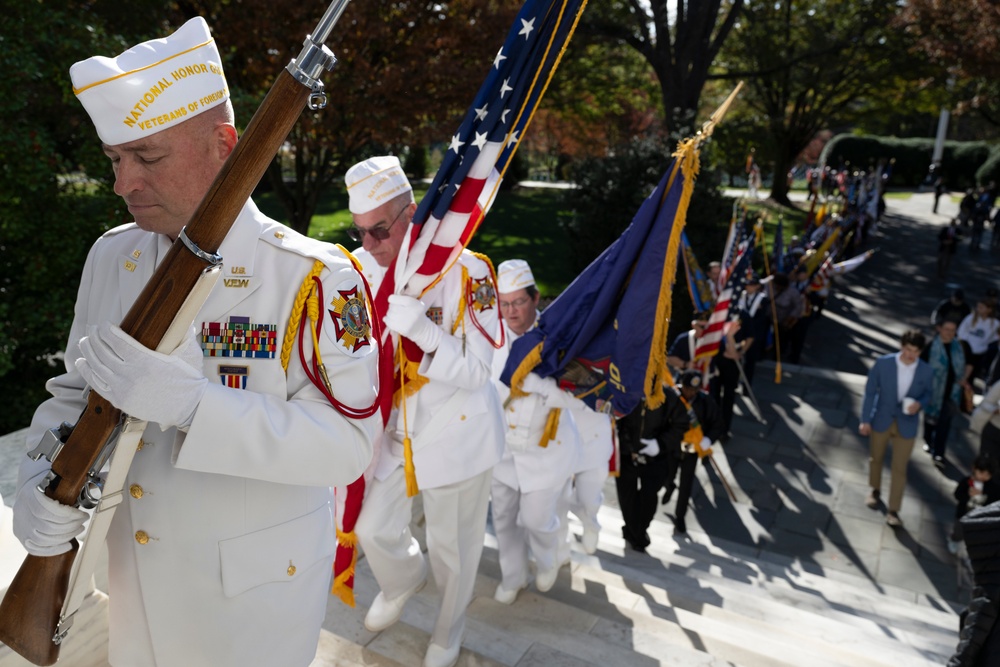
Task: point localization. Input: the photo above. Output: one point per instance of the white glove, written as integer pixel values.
(705, 444)
(650, 447)
(408, 317)
(45, 526)
(536, 384)
(143, 383)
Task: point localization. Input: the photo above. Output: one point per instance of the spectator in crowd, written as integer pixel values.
(939, 189)
(979, 636)
(946, 356)
(954, 307)
(899, 385)
(978, 489)
(948, 239)
(979, 330)
(985, 420)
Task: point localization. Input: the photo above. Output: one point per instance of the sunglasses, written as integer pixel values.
(357, 234)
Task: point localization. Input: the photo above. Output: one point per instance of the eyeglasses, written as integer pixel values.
(378, 233)
(516, 303)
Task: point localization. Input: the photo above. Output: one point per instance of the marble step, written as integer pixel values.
(850, 598)
(87, 643)
(595, 617)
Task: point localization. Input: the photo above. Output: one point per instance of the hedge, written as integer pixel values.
(965, 164)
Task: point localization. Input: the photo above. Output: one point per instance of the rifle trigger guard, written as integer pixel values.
(214, 258)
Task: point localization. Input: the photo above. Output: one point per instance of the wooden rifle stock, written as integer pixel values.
(29, 613)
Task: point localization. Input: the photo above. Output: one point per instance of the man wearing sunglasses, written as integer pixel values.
(445, 407)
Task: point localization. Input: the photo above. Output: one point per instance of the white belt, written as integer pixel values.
(121, 460)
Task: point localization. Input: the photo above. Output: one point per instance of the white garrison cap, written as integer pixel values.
(153, 86)
(512, 275)
(374, 182)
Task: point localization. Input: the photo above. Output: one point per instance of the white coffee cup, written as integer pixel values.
(907, 402)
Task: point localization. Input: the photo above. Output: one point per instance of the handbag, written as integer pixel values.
(967, 403)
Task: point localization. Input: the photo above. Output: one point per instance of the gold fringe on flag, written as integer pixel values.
(529, 362)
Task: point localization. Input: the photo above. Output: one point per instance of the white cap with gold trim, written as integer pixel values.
(374, 182)
(153, 86)
(514, 274)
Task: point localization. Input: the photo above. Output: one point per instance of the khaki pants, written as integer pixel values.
(901, 450)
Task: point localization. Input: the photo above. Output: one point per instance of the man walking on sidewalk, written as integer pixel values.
(899, 386)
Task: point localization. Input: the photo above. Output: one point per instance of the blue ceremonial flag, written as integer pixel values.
(605, 337)
(697, 281)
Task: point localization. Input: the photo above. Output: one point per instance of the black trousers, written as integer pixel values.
(723, 388)
(678, 459)
(638, 485)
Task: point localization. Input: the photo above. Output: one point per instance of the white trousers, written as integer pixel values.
(583, 497)
(587, 496)
(456, 525)
(526, 521)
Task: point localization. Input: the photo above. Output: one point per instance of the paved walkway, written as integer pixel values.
(801, 478)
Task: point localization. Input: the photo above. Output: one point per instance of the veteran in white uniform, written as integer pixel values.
(531, 482)
(586, 493)
(221, 552)
(448, 410)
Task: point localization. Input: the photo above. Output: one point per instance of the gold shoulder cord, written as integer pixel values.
(306, 298)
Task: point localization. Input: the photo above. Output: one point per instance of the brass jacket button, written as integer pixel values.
(141, 537)
(135, 491)
(291, 570)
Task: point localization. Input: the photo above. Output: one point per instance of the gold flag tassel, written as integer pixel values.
(408, 468)
(340, 587)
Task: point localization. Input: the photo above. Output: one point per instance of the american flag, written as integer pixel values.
(479, 152)
(709, 342)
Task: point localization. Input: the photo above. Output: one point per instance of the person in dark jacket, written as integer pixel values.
(642, 471)
(980, 488)
(692, 422)
(979, 635)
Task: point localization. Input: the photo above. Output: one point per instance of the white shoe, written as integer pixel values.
(503, 596)
(441, 657)
(383, 613)
(589, 540)
(545, 580)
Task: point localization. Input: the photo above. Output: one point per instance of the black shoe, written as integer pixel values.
(669, 494)
(939, 462)
(680, 528)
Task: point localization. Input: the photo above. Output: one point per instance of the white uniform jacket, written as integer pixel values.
(526, 465)
(454, 420)
(221, 553)
(596, 444)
